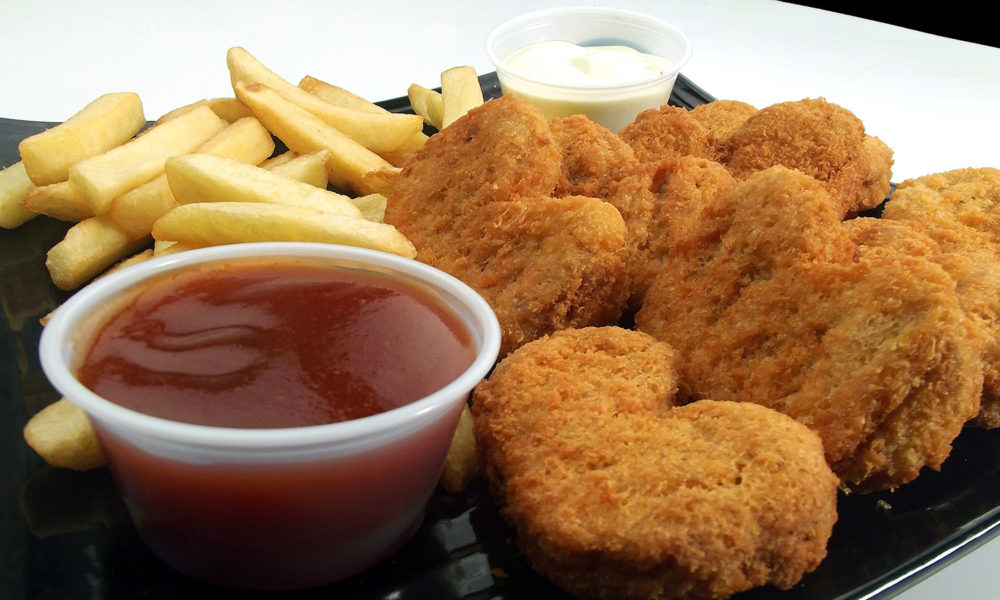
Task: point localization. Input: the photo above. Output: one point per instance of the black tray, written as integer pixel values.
(66, 535)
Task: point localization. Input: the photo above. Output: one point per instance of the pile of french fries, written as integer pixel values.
(206, 174)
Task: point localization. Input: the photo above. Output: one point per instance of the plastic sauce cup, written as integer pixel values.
(613, 106)
(273, 508)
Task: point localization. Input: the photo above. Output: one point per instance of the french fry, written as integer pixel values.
(197, 178)
(372, 206)
(427, 103)
(15, 186)
(60, 201)
(62, 434)
(377, 131)
(135, 211)
(350, 166)
(337, 95)
(107, 122)
(461, 463)
(218, 223)
(106, 176)
(165, 247)
(228, 109)
(89, 247)
(280, 159)
(308, 168)
(460, 93)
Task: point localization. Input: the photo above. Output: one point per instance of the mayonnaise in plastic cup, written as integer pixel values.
(611, 102)
(273, 508)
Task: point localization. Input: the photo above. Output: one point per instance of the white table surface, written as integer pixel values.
(931, 99)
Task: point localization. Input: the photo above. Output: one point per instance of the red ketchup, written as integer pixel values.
(277, 344)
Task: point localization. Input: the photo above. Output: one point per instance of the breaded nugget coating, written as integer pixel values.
(668, 132)
(781, 307)
(819, 138)
(723, 117)
(960, 210)
(476, 203)
(614, 493)
(593, 158)
(650, 198)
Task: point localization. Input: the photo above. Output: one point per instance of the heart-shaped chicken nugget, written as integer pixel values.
(615, 493)
(476, 201)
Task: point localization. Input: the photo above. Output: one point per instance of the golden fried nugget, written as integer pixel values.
(960, 210)
(615, 493)
(476, 202)
(723, 117)
(819, 138)
(593, 158)
(771, 301)
(668, 132)
(649, 198)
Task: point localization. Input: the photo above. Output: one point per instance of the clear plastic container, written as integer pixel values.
(613, 106)
(273, 508)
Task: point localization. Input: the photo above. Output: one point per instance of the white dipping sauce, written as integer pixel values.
(609, 84)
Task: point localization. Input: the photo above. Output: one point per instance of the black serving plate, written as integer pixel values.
(65, 534)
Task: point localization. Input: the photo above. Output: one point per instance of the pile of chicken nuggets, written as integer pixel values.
(785, 347)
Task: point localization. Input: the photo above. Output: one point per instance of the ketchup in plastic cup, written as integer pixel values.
(278, 507)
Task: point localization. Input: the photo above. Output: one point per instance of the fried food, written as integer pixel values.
(615, 493)
(772, 301)
(476, 202)
(723, 117)
(960, 210)
(593, 157)
(820, 139)
(650, 198)
(668, 132)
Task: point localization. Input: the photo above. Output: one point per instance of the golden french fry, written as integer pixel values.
(350, 165)
(308, 168)
(228, 109)
(377, 131)
(60, 201)
(372, 206)
(280, 159)
(135, 211)
(196, 178)
(15, 186)
(218, 223)
(107, 122)
(427, 103)
(164, 247)
(62, 434)
(460, 93)
(106, 176)
(89, 247)
(337, 95)
(461, 463)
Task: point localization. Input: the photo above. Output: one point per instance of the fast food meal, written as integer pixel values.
(476, 201)
(614, 492)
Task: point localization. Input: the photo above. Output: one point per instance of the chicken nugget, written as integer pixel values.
(960, 211)
(593, 158)
(668, 132)
(476, 203)
(819, 138)
(723, 117)
(780, 307)
(649, 199)
(615, 493)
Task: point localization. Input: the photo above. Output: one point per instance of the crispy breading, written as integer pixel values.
(960, 210)
(593, 158)
(615, 493)
(771, 301)
(476, 202)
(723, 117)
(819, 138)
(649, 199)
(668, 132)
